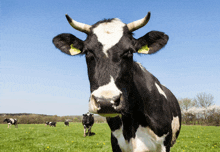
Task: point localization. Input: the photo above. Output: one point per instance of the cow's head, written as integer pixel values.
(87, 118)
(109, 49)
(47, 123)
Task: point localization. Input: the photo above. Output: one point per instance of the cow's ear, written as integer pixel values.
(151, 42)
(68, 44)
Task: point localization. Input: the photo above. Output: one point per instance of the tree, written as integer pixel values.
(186, 103)
(204, 100)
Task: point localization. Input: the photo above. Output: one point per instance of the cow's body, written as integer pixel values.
(11, 121)
(87, 121)
(52, 124)
(143, 115)
(154, 122)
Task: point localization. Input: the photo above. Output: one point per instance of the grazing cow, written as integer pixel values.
(87, 121)
(11, 121)
(66, 123)
(143, 115)
(53, 124)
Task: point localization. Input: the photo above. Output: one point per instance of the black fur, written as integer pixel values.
(52, 124)
(66, 123)
(154, 39)
(63, 42)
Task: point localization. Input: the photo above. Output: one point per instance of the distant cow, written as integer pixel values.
(66, 123)
(11, 121)
(87, 121)
(53, 124)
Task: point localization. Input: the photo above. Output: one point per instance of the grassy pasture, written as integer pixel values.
(37, 137)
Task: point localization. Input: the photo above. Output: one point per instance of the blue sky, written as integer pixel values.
(35, 77)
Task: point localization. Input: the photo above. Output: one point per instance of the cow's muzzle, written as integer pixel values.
(108, 107)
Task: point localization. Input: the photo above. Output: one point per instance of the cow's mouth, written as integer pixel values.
(105, 107)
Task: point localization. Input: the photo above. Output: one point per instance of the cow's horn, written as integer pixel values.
(78, 26)
(139, 23)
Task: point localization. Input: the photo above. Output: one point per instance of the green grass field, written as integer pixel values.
(31, 137)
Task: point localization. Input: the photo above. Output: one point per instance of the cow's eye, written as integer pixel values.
(127, 54)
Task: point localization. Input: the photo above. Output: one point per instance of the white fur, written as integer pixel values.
(141, 66)
(160, 90)
(123, 144)
(175, 127)
(145, 140)
(109, 33)
(107, 91)
(12, 120)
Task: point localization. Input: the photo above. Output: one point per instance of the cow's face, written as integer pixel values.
(87, 118)
(109, 49)
(46, 123)
(109, 56)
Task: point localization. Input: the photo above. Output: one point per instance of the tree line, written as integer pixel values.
(200, 110)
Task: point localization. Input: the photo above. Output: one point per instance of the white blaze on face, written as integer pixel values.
(109, 33)
(107, 91)
(160, 90)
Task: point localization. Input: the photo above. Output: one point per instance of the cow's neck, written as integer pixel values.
(132, 118)
(137, 113)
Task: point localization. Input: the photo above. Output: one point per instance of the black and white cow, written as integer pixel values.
(143, 115)
(87, 121)
(53, 124)
(66, 123)
(11, 121)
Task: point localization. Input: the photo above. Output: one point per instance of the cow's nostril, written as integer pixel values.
(96, 101)
(116, 100)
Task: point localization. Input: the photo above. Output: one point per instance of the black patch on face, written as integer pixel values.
(96, 62)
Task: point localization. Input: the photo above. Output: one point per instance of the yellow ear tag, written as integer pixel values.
(73, 50)
(144, 50)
